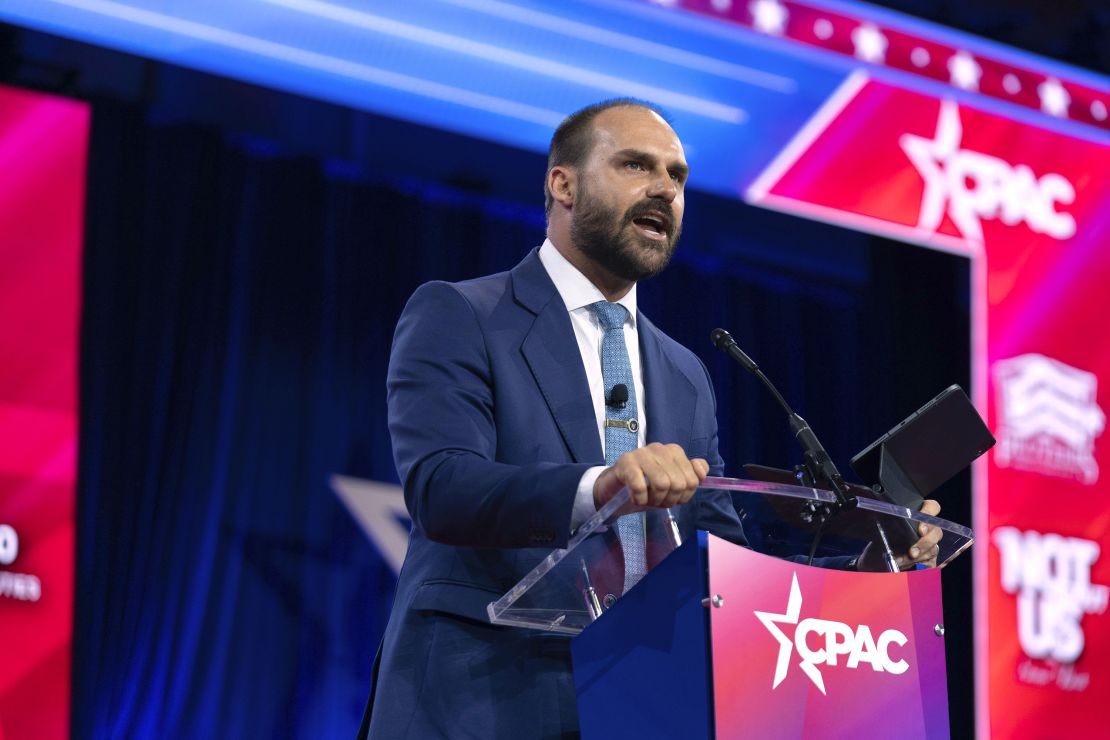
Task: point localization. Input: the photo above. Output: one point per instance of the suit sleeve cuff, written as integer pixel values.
(584, 499)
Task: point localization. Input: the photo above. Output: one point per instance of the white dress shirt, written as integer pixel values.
(578, 293)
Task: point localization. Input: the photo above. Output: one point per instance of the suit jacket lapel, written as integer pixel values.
(552, 354)
(670, 394)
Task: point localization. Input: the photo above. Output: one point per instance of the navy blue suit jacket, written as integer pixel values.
(493, 426)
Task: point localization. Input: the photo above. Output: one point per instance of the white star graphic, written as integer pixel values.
(768, 16)
(963, 71)
(1098, 110)
(929, 157)
(1054, 98)
(870, 43)
(379, 508)
(722, 6)
(786, 645)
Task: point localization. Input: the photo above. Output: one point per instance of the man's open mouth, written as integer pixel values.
(654, 225)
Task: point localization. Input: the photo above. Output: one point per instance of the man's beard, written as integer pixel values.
(608, 240)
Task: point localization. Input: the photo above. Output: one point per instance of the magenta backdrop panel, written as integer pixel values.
(43, 143)
(800, 651)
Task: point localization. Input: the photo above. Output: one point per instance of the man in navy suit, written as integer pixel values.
(496, 410)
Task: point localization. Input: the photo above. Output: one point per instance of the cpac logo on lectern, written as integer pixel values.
(1048, 419)
(973, 186)
(822, 642)
(1051, 576)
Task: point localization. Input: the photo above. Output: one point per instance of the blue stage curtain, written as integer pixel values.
(239, 305)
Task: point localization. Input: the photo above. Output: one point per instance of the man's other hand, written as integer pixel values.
(657, 475)
(924, 551)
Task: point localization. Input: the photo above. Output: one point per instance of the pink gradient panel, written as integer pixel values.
(746, 654)
(43, 149)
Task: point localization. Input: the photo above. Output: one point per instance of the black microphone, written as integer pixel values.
(817, 460)
(618, 397)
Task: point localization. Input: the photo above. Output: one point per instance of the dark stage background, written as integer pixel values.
(247, 255)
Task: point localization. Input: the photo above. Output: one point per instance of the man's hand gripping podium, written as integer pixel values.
(662, 476)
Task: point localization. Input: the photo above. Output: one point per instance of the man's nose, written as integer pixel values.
(663, 186)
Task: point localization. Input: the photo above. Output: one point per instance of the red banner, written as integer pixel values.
(43, 146)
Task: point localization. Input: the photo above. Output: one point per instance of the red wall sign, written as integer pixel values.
(43, 144)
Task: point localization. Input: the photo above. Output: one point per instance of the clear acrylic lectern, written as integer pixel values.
(572, 587)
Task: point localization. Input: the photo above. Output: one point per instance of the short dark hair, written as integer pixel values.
(572, 141)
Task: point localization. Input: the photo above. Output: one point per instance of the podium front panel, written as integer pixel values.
(811, 652)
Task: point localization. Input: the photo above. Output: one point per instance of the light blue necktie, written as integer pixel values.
(621, 427)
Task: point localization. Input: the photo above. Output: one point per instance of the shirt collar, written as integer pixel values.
(574, 288)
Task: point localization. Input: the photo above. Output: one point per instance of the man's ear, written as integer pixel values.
(562, 181)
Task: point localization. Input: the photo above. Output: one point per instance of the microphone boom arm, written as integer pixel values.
(818, 463)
